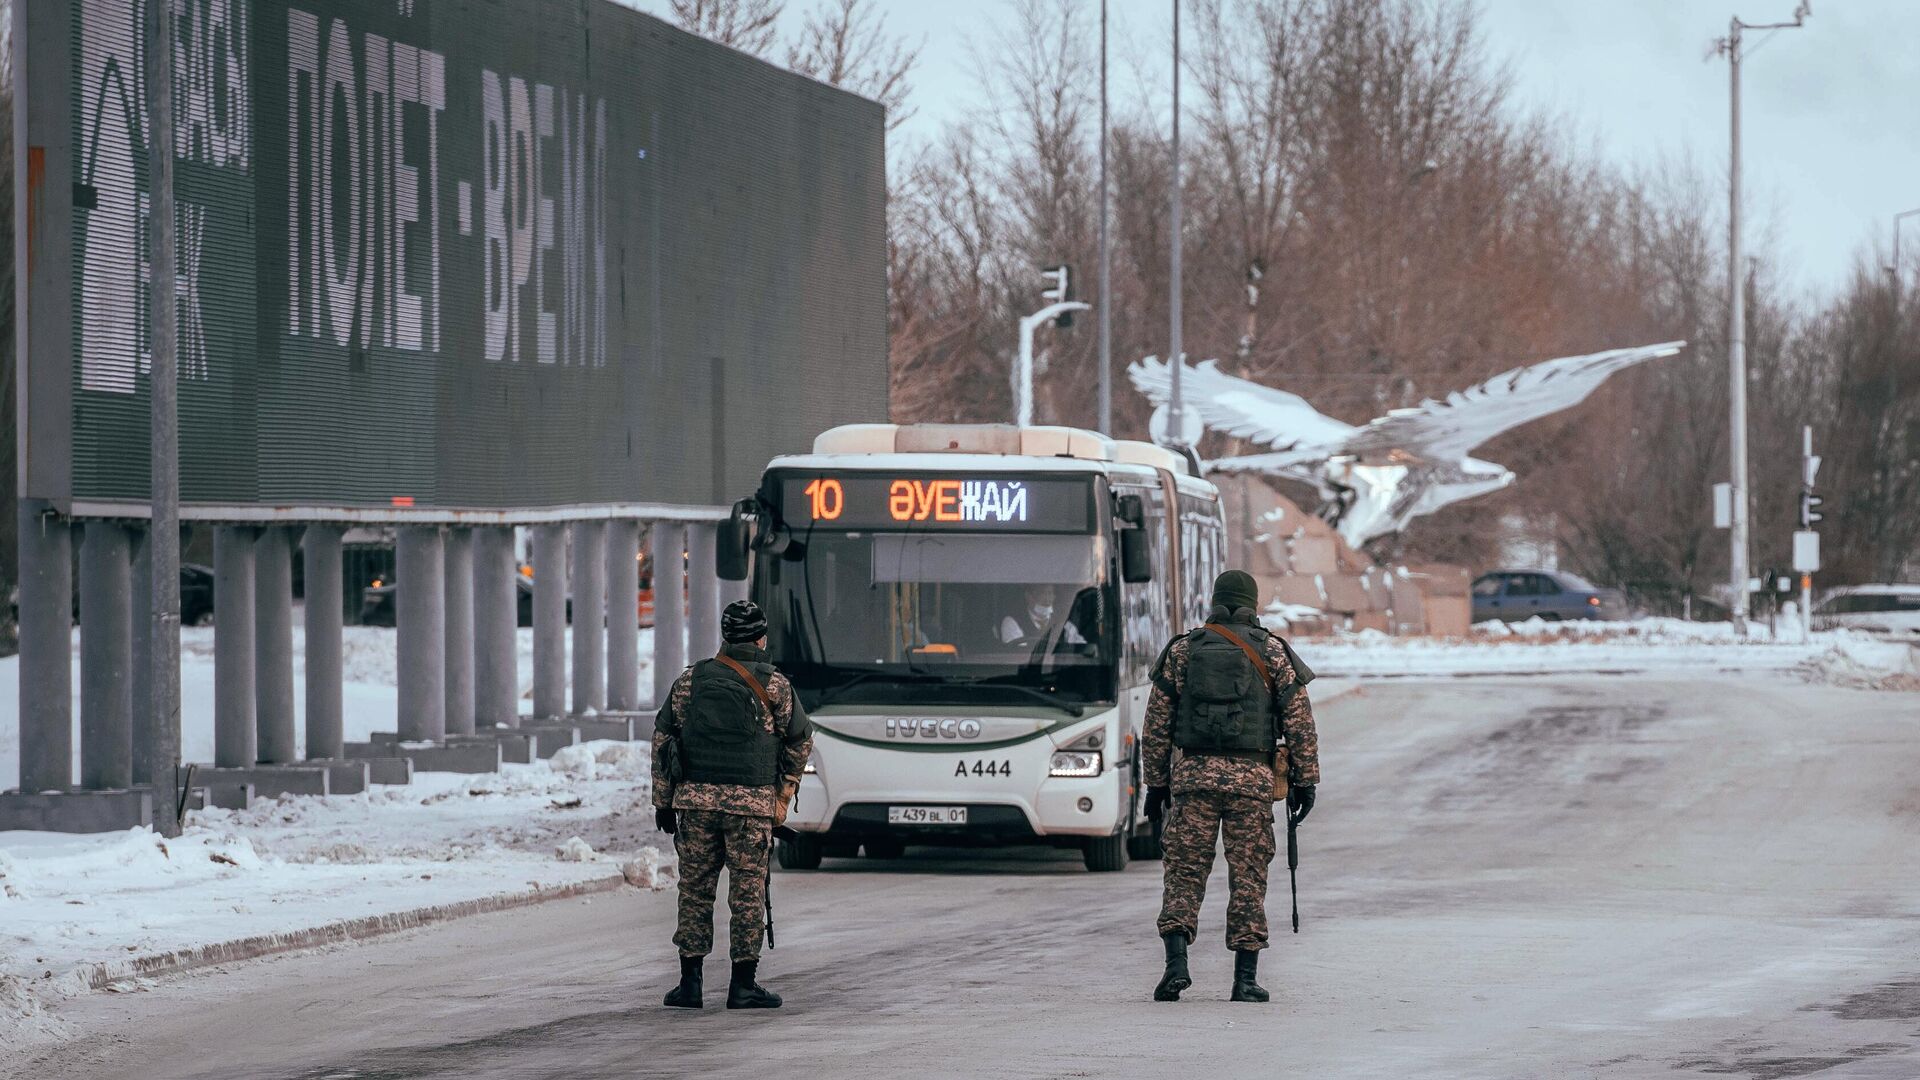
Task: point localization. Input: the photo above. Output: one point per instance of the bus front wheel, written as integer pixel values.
(1144, 844)
(1106, 853)
(801, 853)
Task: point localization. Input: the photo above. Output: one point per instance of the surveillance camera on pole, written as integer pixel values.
(1060, 308)
(1806, 542)
(1059, 290)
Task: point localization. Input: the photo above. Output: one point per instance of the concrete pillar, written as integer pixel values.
(459, 574)
(273, 646)
(141, 638)
(421, 607)
(46, 649)
(496, 623)
(106, 656)
(623, 616)
(731, 591)
(234, 702)
(326, 729)
(589, 617)
(703, 590)
(666, 540)
(549, 621)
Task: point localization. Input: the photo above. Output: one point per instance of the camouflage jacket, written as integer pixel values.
(1231, 775)
(789, 721)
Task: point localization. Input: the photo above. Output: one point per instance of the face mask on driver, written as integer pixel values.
(1041, 613)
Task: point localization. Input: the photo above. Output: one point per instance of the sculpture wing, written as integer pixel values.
(1449, 430)
(1243, 408)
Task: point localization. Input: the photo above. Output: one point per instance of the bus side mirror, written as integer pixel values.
(1136, 556)
(730, 550)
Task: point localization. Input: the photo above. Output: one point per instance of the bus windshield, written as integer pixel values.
(942, 617)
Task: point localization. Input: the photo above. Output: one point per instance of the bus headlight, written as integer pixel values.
(1074, 763)
(808, 769)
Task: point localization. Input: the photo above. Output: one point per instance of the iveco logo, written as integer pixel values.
(913, 727)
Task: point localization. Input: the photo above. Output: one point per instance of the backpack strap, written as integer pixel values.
(754, 684)
(1259, 662)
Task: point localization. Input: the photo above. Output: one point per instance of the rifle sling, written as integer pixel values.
(761, 691)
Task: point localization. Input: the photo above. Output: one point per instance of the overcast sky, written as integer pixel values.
(1832, 143)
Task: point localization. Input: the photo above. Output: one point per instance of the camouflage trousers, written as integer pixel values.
(708, 840)
(1193, 823)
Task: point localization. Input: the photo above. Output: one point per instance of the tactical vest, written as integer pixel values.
(1224, 704)
(723, 737)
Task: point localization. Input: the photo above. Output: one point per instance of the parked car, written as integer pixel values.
(1553, 595)
(377, 603)
(1876, 609)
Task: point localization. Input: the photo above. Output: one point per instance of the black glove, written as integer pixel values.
(1158, 798)
(664, 819)
(781, 832)
(1300, 802)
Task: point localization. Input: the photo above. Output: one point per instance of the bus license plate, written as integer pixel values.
(926, 815)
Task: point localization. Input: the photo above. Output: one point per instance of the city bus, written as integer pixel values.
(970, 614)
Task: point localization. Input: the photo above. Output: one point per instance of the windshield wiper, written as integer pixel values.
(1050, 700)
(834, 693)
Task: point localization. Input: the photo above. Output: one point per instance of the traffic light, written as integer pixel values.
(1059, 288)
(1809, 508)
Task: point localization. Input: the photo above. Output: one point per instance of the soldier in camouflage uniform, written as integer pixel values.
(1220, 711)
(729, 747)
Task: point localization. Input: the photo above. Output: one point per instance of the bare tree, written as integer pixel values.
(747, 25)
(846, 43)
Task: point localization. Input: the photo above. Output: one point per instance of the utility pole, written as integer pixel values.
(1175, 354)
(1737, 316)
(162, 712)
(1106, 262)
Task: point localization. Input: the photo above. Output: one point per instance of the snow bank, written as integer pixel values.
(1536, 647)
(67, 902)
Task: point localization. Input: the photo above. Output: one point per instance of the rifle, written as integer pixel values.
(780, 832)
(1293, 866)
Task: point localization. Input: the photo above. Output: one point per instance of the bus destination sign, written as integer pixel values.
(995, 502)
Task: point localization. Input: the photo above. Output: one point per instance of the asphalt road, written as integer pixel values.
(1504, 878)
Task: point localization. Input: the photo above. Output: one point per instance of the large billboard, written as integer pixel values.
(441, 254)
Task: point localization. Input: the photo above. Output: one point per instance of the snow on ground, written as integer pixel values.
(369, 699)
(1641, 645)
(297, 863)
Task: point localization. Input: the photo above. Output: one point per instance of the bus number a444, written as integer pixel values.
(983, 767)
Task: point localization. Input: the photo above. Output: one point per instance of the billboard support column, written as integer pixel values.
(589, 617)
(273, 646)
(496, 622)
(703, 590)
(421, 607)
(234, 734)
(324, 613)
(549, 621)
(623, 616)
(459, 632)
(106, 657)
(667, 544)
(46, 647)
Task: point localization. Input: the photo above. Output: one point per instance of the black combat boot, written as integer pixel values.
(747, 994)
(1245, 963)
(1176, 979)
(687, 994)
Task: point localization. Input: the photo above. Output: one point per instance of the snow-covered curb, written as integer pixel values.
(100, 976)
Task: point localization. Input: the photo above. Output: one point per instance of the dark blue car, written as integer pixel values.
(1553, 595)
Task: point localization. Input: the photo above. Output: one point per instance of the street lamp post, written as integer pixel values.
(1106, 260)
(1737, 315)
(1176, 355)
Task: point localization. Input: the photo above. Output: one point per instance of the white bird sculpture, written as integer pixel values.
(1375, 478)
